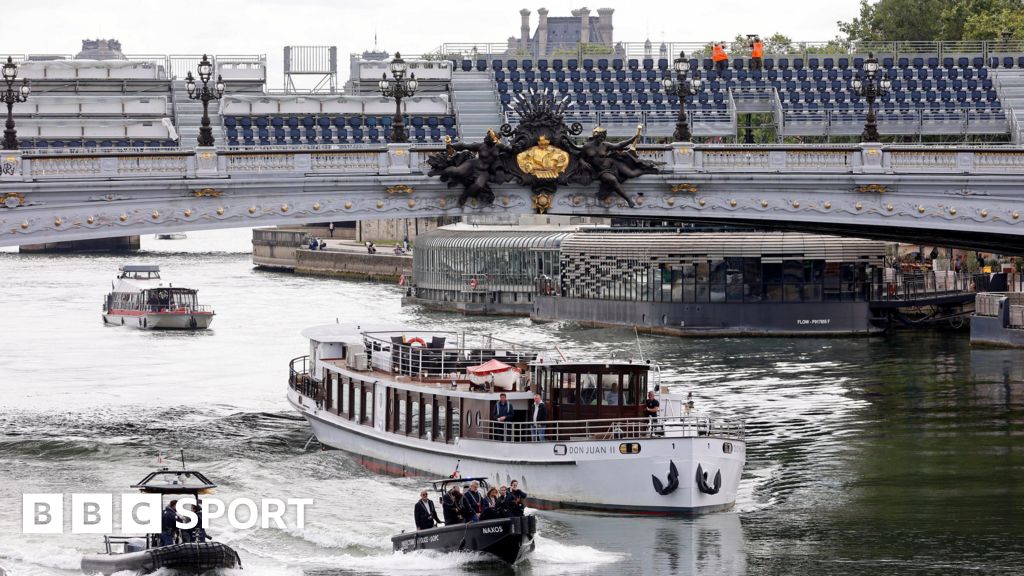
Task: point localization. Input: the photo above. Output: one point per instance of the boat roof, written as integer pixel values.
(167, 481)
(442, 482)
(139, 268)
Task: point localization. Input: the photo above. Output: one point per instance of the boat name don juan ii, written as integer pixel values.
(425, 403)
(142, 300)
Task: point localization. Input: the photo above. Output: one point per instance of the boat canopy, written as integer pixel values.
(167, 481)
(140, 268)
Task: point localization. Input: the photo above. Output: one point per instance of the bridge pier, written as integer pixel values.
(117, 244)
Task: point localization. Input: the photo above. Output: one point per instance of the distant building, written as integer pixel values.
(100, 49)
(563, 32)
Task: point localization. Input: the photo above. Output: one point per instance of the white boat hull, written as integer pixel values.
(161, 321)
(587, 474)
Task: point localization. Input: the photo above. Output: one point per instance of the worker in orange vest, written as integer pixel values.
(756, 54)
(720, 58)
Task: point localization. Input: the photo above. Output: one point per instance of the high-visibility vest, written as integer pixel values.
(718, 54)
(758, 51)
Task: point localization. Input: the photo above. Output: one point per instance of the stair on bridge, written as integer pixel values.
(1010, 83)
(474, 95)
(188, 115)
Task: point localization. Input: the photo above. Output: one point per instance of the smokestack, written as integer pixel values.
(584, 25)
(542, 33)
(604, 24)
(524, 43)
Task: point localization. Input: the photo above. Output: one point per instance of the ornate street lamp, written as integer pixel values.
(870, 87)
(398, 87)
(204, 95)
(682, 88)
(11, 97)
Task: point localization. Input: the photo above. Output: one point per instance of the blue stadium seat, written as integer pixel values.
(557, 64)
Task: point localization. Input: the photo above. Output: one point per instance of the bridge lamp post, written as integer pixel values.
(398, 87)
(204, 95)
(870, 87)
(682, 87)
(12, 97)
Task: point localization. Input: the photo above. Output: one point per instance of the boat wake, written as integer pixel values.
(42, 555)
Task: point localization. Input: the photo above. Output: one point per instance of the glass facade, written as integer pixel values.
(485, 266)
(718, 267)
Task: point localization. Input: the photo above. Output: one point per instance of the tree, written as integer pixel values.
(935, 20)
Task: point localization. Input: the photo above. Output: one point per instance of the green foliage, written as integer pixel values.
(936, 20)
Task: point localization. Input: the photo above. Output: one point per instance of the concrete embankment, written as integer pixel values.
(285, 249)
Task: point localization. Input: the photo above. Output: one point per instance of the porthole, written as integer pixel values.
(478, 418)
(727, 447)
(469, 420)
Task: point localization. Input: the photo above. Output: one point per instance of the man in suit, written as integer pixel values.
(539, 414)
(426, 515)
(473, 502)
(451, 504)
(502, 414)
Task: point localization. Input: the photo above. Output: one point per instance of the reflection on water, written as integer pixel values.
(889, 455)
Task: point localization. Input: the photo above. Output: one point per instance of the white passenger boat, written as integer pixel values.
(141, 299)
(401, 402)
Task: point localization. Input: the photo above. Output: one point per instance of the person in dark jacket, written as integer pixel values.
(425, 513)
(493, 507)
(168, 523)
(539, 413)
(515, 499)
(473, 502)
(502, 414)
(451, 506)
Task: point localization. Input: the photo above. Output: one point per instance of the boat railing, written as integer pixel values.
(299, 378)
(201, 308)
(611, 429)
(441, 355)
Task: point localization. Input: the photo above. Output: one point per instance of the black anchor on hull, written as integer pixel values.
(702, 481)
(673, 481)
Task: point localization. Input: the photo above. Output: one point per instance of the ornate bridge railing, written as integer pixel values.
(283, 161)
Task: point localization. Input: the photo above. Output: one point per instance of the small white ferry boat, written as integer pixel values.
(141, 299)
(403, 402)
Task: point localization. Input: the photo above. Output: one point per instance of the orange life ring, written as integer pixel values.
(473, 283)
(415, 340)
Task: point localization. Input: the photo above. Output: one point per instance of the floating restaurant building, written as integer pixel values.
(672, 282)
(715, 282)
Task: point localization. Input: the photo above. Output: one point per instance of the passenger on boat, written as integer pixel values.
(426, 515)
(197, 533)
(502, 414)
(493, 507)
(168, 522)
(540, 414)
(472, 502)
(515, 500)
(451, 506)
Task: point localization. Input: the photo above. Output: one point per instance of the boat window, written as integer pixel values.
(588, 389)
(414, 411)
(429, 418)
(343, 382)
(442, 419)
(401, 401)
(610, 389)
(566, 388)
(367, 404)
(469, 421)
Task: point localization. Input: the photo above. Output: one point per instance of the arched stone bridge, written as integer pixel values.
(967, 196)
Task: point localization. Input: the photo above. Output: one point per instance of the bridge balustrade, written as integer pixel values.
(141, 163)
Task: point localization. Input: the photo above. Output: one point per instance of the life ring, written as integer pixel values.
(892, 289)
(473, 283)
(401, 280)
(416, 340)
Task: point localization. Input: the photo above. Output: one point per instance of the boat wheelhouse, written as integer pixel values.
(141, 299)
(402, 402)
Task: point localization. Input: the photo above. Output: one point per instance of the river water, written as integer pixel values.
(901, 454)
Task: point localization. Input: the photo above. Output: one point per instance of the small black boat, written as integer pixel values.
(509, 539)
(144, 554)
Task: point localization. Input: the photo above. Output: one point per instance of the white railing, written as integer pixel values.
(611, 429)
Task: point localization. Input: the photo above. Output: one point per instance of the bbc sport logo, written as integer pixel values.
(94, 513)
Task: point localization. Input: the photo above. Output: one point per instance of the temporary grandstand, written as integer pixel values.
(954, 91)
